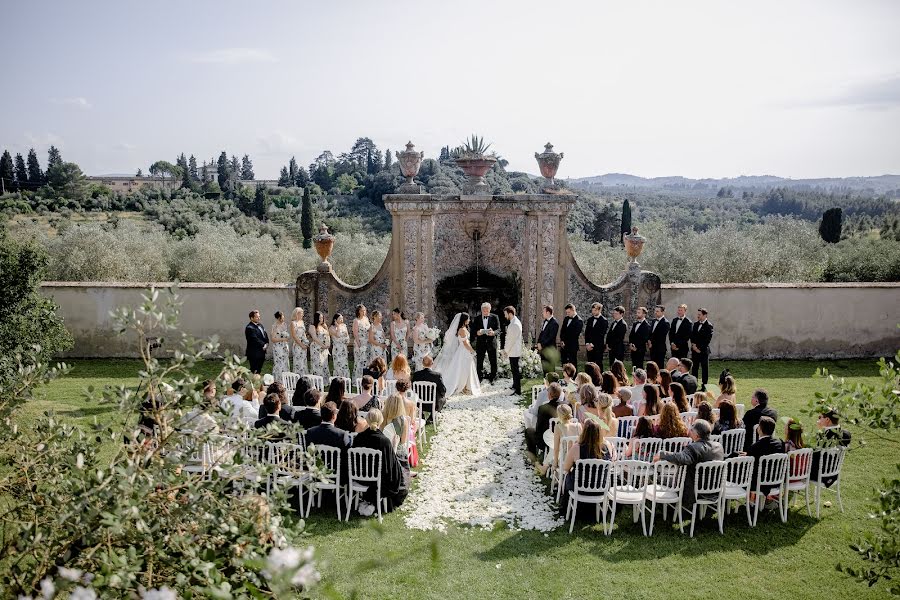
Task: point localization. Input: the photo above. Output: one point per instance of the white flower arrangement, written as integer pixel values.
(529, 365)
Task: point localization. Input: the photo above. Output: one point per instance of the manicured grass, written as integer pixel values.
(773, 560)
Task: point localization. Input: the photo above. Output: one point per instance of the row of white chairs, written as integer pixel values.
(644, 486)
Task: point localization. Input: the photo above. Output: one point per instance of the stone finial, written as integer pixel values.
(324, 243)
(410, 161)
(634, 244)
(548, 161)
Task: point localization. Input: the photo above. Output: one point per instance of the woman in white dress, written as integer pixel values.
(421, 344)
(377, 343)
(456, 362)
(300, 342)
(399, 334)
(281, 350)
(360, 328)
(340, 337)
(318, 349)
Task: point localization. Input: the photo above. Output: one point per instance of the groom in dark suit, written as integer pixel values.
(257, 342)
(485, 328)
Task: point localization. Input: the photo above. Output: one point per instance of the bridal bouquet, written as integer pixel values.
(432, 334)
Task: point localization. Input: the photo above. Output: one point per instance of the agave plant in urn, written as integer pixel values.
(548, 161)
(410, 161)
(475, 162)
(324, 242)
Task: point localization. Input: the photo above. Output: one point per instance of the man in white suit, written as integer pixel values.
(512, 347)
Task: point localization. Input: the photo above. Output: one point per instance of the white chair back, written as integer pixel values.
(348, 385)
(331, 461)
(646, 448)
(426, 390)
(358, 382)
(289, 381)
(830, 462)
(715, 438)
(565, 443)
(740, 411)
(620, 444)
(733, 440)
(772, 471)
(739, 472)
(390, 387)
(709, 482)
(592, 475)
(287, 458)
(301, 438)
(688, 418)
(799, 468)
(632, 475)
(669, 477)
(626, 426)
(553, 423)
(537, 390)
(675, 444)
(365, 465)
(315, 381)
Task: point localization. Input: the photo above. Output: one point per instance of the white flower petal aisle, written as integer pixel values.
(476, 471)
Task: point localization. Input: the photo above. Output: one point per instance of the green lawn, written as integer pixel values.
(772, 560)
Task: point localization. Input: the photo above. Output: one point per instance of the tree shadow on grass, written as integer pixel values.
(89, 411)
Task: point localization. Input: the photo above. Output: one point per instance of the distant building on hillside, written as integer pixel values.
(130, 183)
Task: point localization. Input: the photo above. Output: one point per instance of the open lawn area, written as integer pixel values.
(772, 560)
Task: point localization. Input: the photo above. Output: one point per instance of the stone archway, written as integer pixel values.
(466, 292)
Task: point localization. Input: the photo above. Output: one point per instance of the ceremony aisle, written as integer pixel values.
(476, 472)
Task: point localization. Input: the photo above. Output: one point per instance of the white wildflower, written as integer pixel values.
(70, 574)
(163, 593)
(79, 460)
(83, 593)
(48, 589)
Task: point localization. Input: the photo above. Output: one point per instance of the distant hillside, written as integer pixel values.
(882, 184)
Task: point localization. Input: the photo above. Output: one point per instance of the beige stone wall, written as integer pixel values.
(751, 320)
(759, 320)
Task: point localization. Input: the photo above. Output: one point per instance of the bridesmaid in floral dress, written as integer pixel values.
(300, 342)
(361, 327)
(399, 334)
(340, 337)
(318, 347)
(377, 343)
(421, 344)
(281, 350)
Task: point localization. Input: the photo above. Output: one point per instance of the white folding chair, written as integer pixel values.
(709, 490)
(688, 418)
(427, 393)
(626, 426)
(715, 438)
(301, 438)
(289, 380)
(365, 471)
(535, 391)
(287, 462)
(316, 381)
(646, 448)
(675, 444)
(556, 472)
(358, 382)
(331, 457)
(771, 473)
(630, 479)
(390, 387)
(830, 462)
(733, 440)
(715, 413)
(738, 476)
(591, 486)
(196, 452)
(553, 423)
(740, 411)
(799, 470)
(667, 488)
(620, 444)
(348, 384)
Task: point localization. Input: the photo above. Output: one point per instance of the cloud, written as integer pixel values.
(76, 101)
(42, 140)
(234, 56)
(878, 94)
(125, 147)
(277, 142)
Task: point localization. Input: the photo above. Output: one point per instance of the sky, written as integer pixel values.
(699, 89)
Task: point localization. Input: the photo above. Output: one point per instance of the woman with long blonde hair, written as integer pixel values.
(395, 425)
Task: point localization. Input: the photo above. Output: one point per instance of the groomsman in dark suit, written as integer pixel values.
(547, 338)
(569, 336)
(659, 331)
(680, 333)
(637, 340)
(257, 342)
(701, 336)
(595, 335)
(615, 338)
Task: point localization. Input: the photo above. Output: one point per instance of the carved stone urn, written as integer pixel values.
(548, 161)
(475, 168)
(634, 244)
(324, 242)
(410, 161)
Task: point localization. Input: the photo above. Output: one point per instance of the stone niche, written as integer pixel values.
(450, 252)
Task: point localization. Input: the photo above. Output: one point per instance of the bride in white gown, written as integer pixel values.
(456, 361)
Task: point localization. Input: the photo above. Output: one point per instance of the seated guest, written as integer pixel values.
(199, 420)
(336, 391)
(651, 404)
(427, 375)
(640, 380)
(567, 427)
(643, 429)
(793, 436)
(829, 435)
(596, 406)
(410, 402)
(618, 371)
(568, 383)
(760, 403)
(394, 487)
(581, 380)
(688, 381)
(705, 412)
(348, 418)
(672, 366)
(622, 408)
(727, 420)
(670, 423)
(604, 404)
(366, 400)
(679, 397)
(309, 416)
(729, 391)
(535, 437)
(665, 382)
(325, 433)
(652, 373)
(531, 412)
(240, 410)
(376, 370)
(699, 450)
(765, 445)
(300, 391)
(593, 369)
(399, 368)
(697, 399)
(272, 404)
(609, 384)
(591, 444)
(287, 410)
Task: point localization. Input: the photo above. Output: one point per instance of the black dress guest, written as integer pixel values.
(701, 336)
(659, 333)
(393, 486)
(547, 336)
(257, 342)
(615, 338)
(680, 334)
(637, 340)
(595, 335)
(486, 344)
(569, 335)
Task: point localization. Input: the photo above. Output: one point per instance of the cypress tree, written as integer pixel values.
(192, 169)
(830, 227)
(302, 178)
(21, 173)
(626, 219)
(293, 168)
(261, 202)
(222, 167)
(35, 175)
(306, 223)
(284, 179)
(388, 161)
(247, 173)
(7, 172)
(53, 157)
